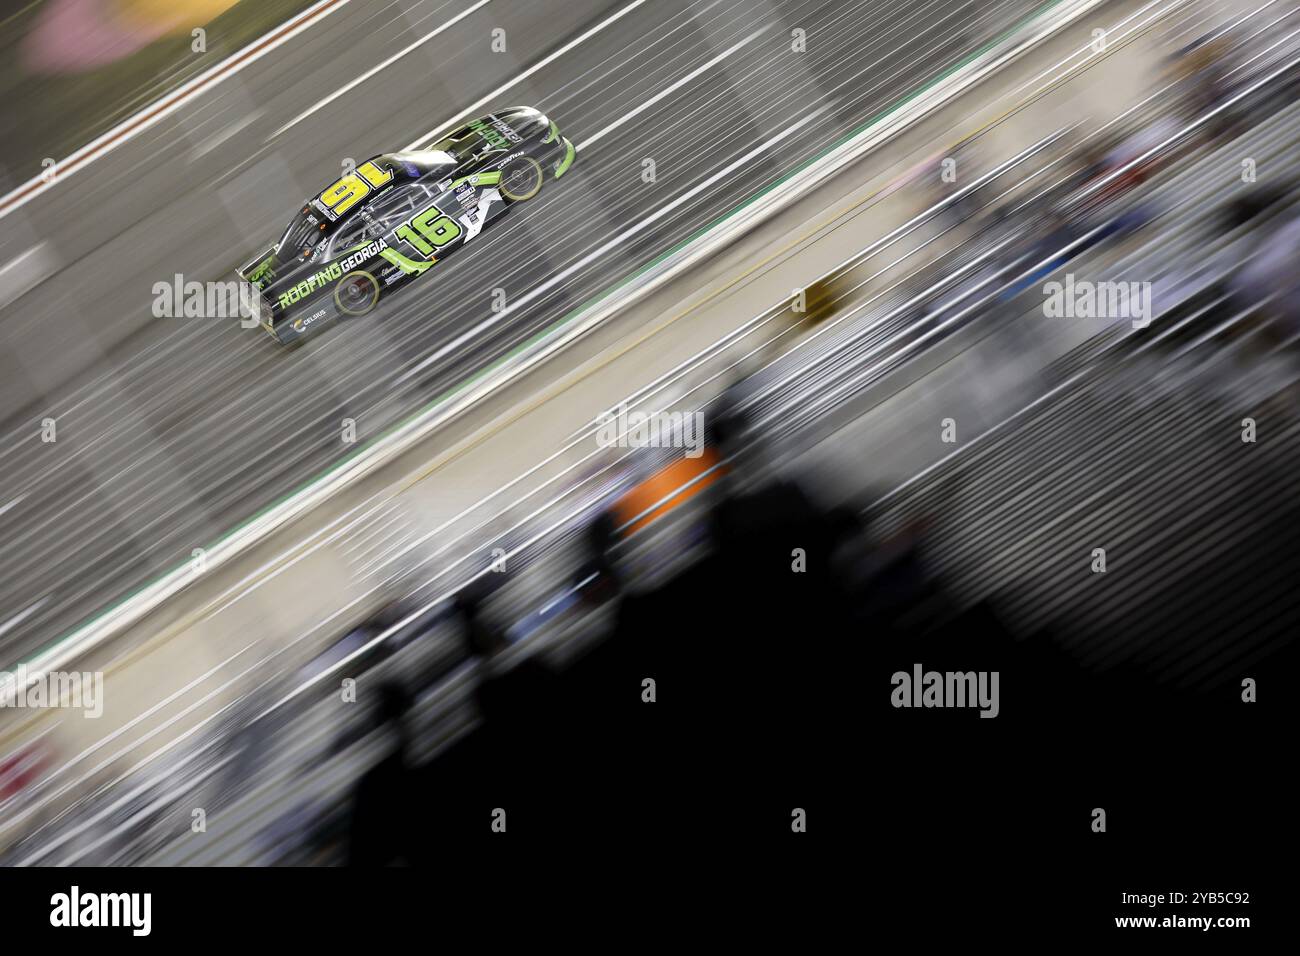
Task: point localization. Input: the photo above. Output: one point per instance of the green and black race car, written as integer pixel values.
(388, 221)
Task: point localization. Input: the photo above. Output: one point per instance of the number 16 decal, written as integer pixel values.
(429, 231)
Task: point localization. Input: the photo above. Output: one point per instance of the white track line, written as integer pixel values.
(221, 135)
(6, 507)
(382, 66)
(474, 107)
(152, 114)
(670, 90)
(21, 616)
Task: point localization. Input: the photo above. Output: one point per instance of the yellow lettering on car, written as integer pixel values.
(354, 187)
(374, 175)
(345, 193)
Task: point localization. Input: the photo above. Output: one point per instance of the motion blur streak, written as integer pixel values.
(157, 112)
(1022, 396)
(321, 104)
(172, 431)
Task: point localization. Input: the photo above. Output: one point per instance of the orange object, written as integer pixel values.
(661, 485)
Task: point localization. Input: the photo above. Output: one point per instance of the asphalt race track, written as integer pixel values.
(171, 431)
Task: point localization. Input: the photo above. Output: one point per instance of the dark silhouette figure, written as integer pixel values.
(382, 814)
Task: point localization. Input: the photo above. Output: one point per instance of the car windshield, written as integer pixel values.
(415, 163)
(462, 145)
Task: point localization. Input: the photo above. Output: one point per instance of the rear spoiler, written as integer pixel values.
(261, 270)
(256, 276)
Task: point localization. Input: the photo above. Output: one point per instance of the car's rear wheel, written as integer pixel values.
(356, 293)
(521, 179)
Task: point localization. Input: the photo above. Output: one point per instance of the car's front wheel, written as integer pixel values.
(521, 179)
(356, 293)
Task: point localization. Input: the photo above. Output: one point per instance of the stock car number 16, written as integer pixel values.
(429, 231)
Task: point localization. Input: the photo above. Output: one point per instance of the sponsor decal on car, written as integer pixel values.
(468, 199)
(331, 273)
(498, 134)
(366, 252)
(263, 272)
(306, 287)
(301, 324)
(475, 220)
(504, 129)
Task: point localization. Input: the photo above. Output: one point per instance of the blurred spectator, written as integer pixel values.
(22, 768)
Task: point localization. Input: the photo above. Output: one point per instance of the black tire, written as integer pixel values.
(521, 179)
(356, 293)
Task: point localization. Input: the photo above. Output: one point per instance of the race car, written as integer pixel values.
(389, 220)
